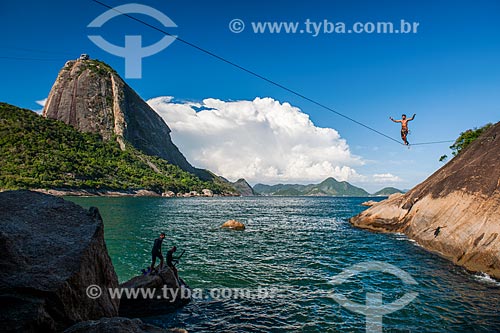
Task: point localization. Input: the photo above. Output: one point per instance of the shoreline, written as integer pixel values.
(123, 193)
(97, 193)
(61, 192)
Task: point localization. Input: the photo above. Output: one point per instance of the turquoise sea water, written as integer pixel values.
(292, 248)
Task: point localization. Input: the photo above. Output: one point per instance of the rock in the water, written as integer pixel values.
(168, 295)
(233, 224)
(369, 203)
(51, 251)
(455, 212)
(119, 325)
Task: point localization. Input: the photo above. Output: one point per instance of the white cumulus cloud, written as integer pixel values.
(42, 102)
(261, 140)
(386, 178)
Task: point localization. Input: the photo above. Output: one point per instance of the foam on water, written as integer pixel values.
(485, 278)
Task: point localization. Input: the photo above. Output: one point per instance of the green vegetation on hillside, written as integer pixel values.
(465, 139)
(42, 153)
(328, 187)
(386, 191)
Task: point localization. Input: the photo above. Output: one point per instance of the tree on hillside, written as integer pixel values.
(464, 140)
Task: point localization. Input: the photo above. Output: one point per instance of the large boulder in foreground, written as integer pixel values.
(51, 250)
(455, 212)
(117, 325)
(167, 294)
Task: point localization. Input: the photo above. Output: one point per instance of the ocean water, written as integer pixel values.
(287, 261)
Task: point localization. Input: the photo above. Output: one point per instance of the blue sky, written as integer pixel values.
(448, 73)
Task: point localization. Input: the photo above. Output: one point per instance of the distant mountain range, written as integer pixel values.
(328, 187)
(386, 191)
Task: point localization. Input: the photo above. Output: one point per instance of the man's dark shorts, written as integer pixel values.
(157, 255)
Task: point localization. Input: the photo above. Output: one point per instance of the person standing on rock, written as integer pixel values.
(404, 126)
(171, 259)
(156, 252)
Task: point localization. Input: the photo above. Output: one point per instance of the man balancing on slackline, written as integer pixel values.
(404, 126)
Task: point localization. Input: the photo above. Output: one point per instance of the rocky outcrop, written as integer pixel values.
(92, 97)
(167, 294)
(119, 324)
(207, 193)
(455, 212)
(51, 250)
(98, 192)
(233, 224)
(243, 188)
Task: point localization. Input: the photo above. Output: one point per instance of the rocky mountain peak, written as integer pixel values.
(89, 95)
(242, 186)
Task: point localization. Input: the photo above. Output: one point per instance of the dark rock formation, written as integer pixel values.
(117, 325)
(455, 212)
(168, 295)
(51, 250)
(243, 188)
(92, 97)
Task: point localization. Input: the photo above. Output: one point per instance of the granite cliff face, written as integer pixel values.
(455, 212)
(92, 97)
(51, 250)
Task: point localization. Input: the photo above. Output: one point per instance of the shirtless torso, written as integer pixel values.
(404, 126)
